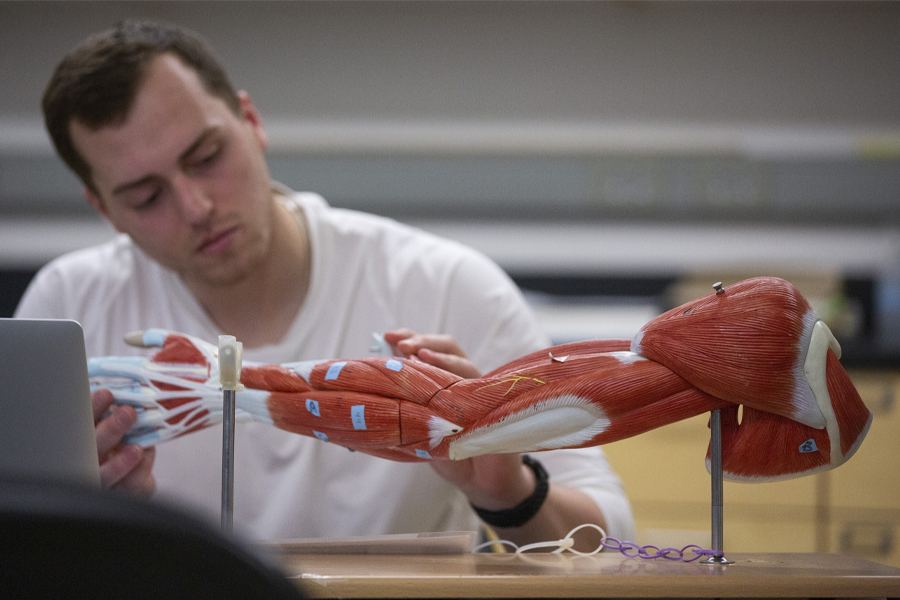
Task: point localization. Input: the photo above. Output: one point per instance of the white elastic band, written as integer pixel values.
(562, 545)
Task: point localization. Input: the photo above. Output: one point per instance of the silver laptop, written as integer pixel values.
(46, 420)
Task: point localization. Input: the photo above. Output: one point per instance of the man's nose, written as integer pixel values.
(194, 204)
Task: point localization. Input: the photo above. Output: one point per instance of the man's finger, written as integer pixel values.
(458, 365)
(113, 428)
(140, 481)
(393, 338)
(119, 464)
(101, 400)
(435, 342)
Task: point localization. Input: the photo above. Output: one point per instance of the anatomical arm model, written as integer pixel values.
(757, 344)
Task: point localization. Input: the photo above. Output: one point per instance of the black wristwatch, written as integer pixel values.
(521, 513)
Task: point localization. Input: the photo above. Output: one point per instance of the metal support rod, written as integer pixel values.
(230, 351)
(228, 461)
(718, 489)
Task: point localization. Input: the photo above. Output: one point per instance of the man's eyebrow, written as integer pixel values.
(205, 135)
(119, 189)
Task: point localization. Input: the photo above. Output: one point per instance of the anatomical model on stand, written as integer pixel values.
(756, 344)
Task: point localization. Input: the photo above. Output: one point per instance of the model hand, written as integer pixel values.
(127, 467)
(174, 391)
(437, 350)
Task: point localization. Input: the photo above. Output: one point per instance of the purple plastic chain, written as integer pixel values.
(627, 548)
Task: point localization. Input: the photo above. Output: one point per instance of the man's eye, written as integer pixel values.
(209, 157)
(148, 201)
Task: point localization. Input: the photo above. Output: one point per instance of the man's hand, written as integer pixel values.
(128, 468)
(500, 481)
(437, 350)
(492, 482)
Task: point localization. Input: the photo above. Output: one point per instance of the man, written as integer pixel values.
(173, 158)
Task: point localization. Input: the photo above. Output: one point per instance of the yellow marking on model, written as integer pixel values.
(514, 379)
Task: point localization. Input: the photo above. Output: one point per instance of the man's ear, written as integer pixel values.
(96, 203)
(248, 112)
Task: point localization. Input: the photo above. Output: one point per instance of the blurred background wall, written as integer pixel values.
(598, 149)
(616, 158)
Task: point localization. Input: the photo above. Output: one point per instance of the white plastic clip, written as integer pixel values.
(379, 346)
(230, 351)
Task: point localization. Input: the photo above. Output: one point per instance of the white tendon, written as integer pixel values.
(303, 368)
(636, 341)
(626, 357)
(439, 428)
(565, 420)
(814, 367)
(807, 407)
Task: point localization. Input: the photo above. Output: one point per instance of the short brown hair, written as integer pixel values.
(96, 83)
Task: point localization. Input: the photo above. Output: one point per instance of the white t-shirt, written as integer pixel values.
(369, 274)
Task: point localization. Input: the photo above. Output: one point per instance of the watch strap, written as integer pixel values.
(523, 512)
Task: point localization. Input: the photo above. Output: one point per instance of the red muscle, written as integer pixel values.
(757, 345)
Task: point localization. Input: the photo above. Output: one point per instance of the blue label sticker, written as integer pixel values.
(334, 370)
(808, 446)
(358, 416)
(422, 453)
(155, 337)
(394, 365)
(313, 407)
(320, 435)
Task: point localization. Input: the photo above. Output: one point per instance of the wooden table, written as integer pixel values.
(602, 576)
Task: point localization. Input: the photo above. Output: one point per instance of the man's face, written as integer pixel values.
(184, 177)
